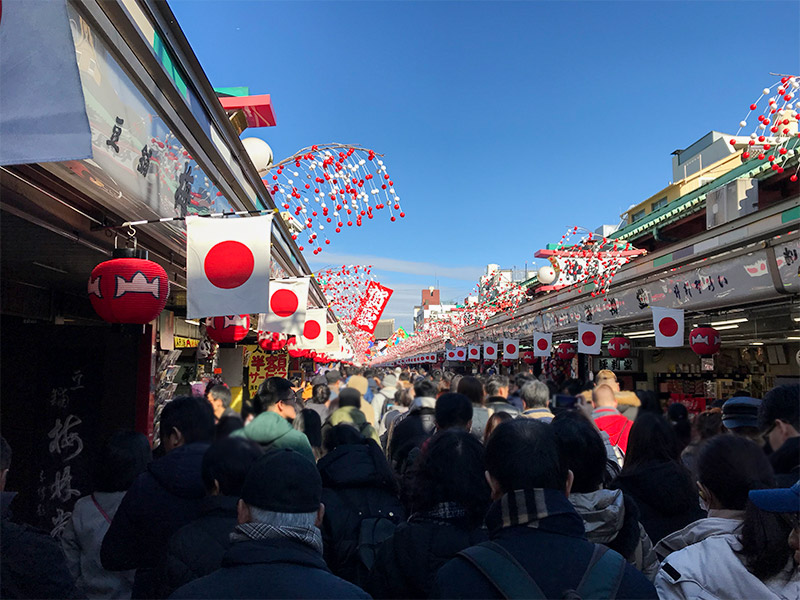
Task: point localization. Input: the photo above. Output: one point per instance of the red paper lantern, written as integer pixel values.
(128, 289)
(566, 351)
(229, 329)
(619, 347)
(506, 362)
(705, 340)
(528, 358)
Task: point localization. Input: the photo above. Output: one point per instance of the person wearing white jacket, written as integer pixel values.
(707, 559)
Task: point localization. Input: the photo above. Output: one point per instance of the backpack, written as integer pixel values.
(372, 532)
(601, 579)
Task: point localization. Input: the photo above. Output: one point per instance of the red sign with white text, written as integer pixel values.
(372, 305)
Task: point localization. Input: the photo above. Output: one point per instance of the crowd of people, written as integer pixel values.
(411, 484)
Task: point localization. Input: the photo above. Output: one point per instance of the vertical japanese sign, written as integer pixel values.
(262, 366)
(372, 306)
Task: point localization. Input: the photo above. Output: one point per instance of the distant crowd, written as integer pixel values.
(358, 483)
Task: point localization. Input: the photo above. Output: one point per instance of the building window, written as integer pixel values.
(639, 214)
(658, 204)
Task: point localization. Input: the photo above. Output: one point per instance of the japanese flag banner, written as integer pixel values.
(288, 299)
(372, 305)
(668, 326)
(227, 265)
(489, 351)
(332, 338)
(589, 338)
(451, 354)
(461, 353)
(313, 337)
(510, 349)
(474, 352)
(542, 343)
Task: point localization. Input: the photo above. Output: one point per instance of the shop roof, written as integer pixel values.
(695, 200)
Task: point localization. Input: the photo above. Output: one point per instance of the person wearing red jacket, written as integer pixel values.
(608, 418)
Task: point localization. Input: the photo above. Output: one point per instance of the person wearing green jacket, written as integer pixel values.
(349, 412)
(276, 405)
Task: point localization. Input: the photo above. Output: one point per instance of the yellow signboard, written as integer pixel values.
(182, 342)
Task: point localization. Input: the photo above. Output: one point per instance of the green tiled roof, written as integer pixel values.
(695, 200)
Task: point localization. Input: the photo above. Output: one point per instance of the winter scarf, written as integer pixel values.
(311, 536)
(546, 510)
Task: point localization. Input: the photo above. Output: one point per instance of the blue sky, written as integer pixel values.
(502, 123)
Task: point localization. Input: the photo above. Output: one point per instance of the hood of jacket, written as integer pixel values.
(350, 415)
(179, 471)
(603, 513)
(697, 532)
(265, 428)
(356, 465)
(667, 487)
(422, 402)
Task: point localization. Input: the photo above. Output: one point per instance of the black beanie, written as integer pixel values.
(349, 397)
(283, 481)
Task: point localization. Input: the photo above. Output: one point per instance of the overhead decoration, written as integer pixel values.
(591, 259)
(705, 341)
(227, 265)
(313, 337)
(128, 289)
(511, 349)
(229, 329)
(772, 121)
(566, 351)
(528, 357)
(490, 350)
(272, 341)
(329, 187)
(668, 327)
(288, 301)
(619, 347)
(589, 338)
(372, 306)
(542, 344)
(474, 352)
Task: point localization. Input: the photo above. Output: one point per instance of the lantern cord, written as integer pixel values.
(237, 213)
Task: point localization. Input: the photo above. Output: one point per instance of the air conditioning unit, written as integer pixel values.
(731, 201)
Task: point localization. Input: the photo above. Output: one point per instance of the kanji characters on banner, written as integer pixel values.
(227, 265)
(474, 352)
(489, 351)
(668, 326)
(510, 349)
(372, 305)
(288, 299)
(542, 343)
(313, 337)
(590, 337)
(263, 366)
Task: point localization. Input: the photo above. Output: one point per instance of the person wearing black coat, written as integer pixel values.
(167, 496)
(357, 485)
(196, 549)
(449, 497)
(656, 479)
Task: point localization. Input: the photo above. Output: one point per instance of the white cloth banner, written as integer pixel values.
(510, 349)
(668, 326)
(590, 337)
(313, 337)
(332, 339)
(489, 351)
(542, 343)
(474, 352)
(227, 265)
(288, 299)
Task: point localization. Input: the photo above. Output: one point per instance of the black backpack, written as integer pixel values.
(601, 579)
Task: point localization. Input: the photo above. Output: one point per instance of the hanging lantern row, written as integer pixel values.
(774, 124)
(329, 187)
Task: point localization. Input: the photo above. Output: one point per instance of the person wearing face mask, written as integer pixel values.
(715, 557)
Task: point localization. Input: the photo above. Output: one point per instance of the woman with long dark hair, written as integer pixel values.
(449, 497)
(655, 478)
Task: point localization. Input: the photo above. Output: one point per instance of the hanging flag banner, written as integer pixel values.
(372, 306)
(227, 265)
(489, 351)
(589, 338)
(288, 299)
(263, 366)
(510, 349)
(313, 337)
(332, 338)
(44, 114)
(668, 326)
(474, 352)
(542, 343)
